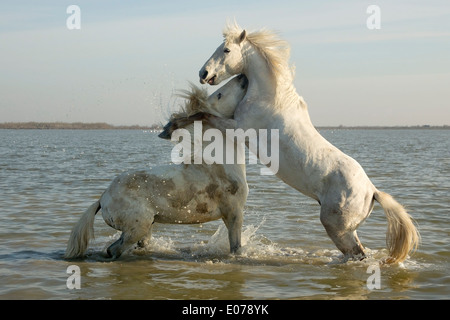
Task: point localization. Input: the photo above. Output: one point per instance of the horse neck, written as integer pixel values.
(264, 87)
(261, 79)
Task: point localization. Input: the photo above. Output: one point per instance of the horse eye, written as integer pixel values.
(226, 50)
(219, 96)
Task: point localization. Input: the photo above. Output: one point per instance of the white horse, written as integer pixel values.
(175, 194)
(307, 162)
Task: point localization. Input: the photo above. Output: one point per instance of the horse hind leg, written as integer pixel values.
(126, 240)
(136, 230)
(350, 246)
(116, 249)
(343, 236)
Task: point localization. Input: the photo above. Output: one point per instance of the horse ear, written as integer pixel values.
(242, 36)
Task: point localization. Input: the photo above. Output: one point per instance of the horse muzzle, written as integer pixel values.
(166, 133)
(206, 78)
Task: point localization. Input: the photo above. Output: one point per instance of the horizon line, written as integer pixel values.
(106, 126)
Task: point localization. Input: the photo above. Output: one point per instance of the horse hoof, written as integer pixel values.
(112, 256)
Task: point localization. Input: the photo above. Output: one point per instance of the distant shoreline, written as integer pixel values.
(155, 127)
(385, 127)
(73, 126)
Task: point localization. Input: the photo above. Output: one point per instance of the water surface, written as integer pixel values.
(48, 178)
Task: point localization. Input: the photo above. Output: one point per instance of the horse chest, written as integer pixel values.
(251, 114)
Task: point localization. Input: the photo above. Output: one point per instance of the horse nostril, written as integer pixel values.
(204, 75)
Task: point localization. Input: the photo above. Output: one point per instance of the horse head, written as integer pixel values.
(227, 60)
(199, 106)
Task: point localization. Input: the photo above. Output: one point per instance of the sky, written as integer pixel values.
(128, 59)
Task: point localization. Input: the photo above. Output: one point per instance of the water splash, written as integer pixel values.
(256, 249)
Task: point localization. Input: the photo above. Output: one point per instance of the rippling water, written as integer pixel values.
(49, 177)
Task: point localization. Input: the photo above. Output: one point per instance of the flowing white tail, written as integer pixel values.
(82, 233)
(402, 236)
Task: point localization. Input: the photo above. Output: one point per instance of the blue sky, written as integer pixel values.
(129, 58)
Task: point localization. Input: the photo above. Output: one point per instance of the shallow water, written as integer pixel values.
(48, 178)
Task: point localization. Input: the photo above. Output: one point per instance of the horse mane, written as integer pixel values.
(275, 51)
(195, 101)
(195, 105)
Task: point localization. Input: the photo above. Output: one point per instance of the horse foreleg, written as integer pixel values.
(234, 225)
(145, 241)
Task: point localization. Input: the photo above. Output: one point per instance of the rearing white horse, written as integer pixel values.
(307, 161)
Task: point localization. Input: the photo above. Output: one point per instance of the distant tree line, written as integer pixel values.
(73, 126)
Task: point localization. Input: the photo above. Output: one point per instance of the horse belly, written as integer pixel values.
(193, 213)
